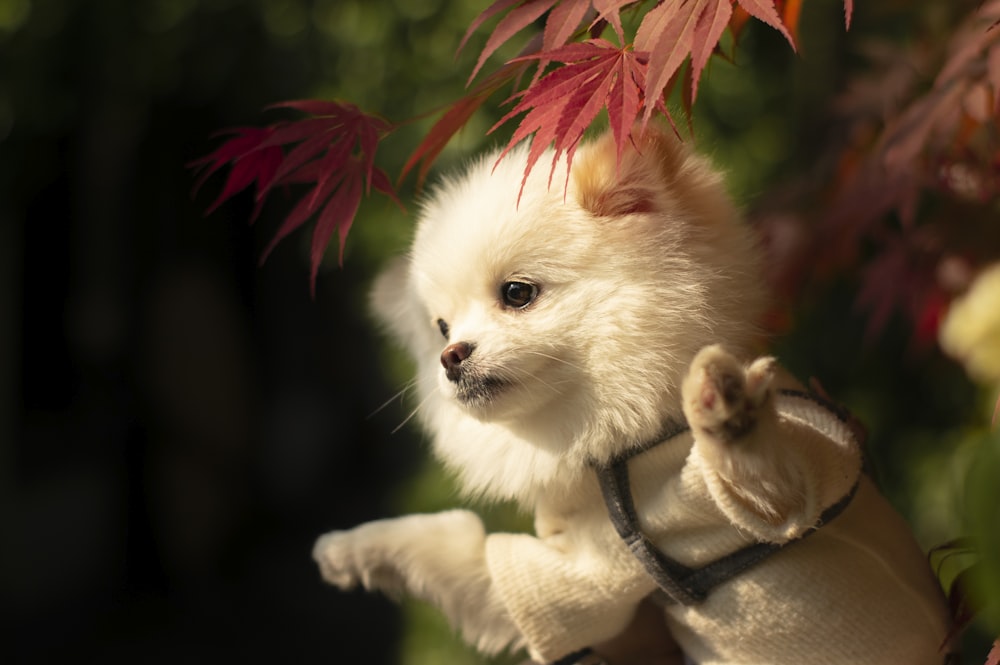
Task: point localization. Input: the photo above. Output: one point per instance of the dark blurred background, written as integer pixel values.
(177, 425)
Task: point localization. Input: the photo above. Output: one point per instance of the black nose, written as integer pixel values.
(452, 357)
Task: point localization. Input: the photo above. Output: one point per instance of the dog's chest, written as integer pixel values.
(671, 499)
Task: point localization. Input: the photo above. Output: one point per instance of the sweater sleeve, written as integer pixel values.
(563, 600)
(801, 459)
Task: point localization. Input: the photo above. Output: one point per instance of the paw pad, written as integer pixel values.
(722, 397)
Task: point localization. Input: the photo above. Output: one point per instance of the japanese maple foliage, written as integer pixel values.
(627, 80)
(921, 154)
(333, 150)
(457, 115)
(578, 74)
(559, 108)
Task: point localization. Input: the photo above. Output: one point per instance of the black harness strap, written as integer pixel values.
(721, 570)
(574, 658)
(682, 584)
(668, 573)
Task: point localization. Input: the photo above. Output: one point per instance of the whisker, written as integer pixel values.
(555, 358)
(520, 373)
(398, 395)
(412, 413)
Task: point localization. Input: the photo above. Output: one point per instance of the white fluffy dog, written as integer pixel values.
(564, 339)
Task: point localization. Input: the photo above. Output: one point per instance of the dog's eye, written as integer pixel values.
(443, 327)
(518, 294)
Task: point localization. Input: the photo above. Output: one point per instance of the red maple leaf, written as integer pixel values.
(565, 19)
(522, 14)
(595, 74)
(676, 29)
(456, 117)
(965, 96)
(333, 150)
(251, 162)
(993, 658)
(560, 105)
(913, 154)
(901, 278)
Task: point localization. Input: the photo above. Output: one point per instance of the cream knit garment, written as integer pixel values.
(857, 592)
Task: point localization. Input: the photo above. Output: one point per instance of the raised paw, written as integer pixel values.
(721, 397)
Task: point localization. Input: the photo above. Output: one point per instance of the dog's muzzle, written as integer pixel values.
(452, 358)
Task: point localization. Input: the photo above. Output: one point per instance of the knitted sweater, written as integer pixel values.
(858, 591)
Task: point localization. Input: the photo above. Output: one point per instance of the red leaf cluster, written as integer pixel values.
(674, 30)
(915, 178)
(626, 79)
(333, 149)
(260, 169)
(565, 19)
(455, 118)
(595, 75)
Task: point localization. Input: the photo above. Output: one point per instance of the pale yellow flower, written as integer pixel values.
(970, 332)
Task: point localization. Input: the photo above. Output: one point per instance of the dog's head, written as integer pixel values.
(569, 317)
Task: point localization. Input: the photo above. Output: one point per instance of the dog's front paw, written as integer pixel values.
(335, 553)
(386, 555)
(362, 555)
(721, 397)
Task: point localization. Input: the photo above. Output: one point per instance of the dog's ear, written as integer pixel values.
(654, 164)
(396, 306)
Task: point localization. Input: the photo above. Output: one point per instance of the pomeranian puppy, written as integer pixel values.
(587, 351)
